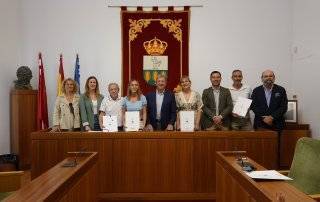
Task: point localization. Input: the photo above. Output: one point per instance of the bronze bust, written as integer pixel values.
(24, 75)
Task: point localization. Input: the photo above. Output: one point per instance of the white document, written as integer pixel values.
(110, 124)
(241, 107)
(268, 175)
(186, 121)
(132, 121)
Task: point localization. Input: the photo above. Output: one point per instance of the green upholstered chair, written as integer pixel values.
(305, 167)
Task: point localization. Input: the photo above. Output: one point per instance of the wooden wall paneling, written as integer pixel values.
(229, 189)
(215, 144)
(105, 163)
(82, 144)
(184, 166)
(85, 189)
(137, 164)
(289, 139)
(152, 165)
(201, 165)
(46, 152)
(263, 149)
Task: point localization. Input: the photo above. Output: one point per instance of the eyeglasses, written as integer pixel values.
(71, 108)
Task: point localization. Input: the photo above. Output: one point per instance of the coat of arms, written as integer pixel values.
(155, 63)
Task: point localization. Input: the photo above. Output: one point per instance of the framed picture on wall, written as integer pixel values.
(292, 114)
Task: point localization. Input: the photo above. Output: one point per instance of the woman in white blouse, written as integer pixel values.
(188, 100)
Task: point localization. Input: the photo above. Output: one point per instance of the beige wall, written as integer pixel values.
(9, 61)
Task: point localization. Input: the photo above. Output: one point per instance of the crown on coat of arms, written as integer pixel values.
(155, 46)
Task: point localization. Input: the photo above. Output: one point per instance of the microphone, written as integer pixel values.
(74, 161)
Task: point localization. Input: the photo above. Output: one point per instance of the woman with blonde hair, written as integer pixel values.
(90, 102)
(188, 100)
(135, 101)
(66, 116)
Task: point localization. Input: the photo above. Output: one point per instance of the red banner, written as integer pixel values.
(42, 110)
(153, 43)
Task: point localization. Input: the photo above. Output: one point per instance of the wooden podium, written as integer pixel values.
(233, 185)
(64, 183)
(23, 121)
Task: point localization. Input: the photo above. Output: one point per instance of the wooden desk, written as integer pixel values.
(176, 165)
(67, 184)
(233, 185)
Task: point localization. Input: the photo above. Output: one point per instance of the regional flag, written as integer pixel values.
(42, 109)
(77, 72)
(60, 77)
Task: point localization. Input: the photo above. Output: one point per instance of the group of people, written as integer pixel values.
(160, 110)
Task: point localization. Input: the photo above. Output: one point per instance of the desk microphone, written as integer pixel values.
(245, 165)
(81, 151)
(74, 162)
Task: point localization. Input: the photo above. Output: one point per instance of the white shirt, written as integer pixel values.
(95, 106)
(159, 100)
(112, 108)
(244, 91)
(216, 93)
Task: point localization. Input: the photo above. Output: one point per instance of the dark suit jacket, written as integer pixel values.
(168, 109)
(277, 108)
(209, 107)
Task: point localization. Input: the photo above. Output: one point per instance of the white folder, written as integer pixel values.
(110, 124)
(132, 121)
(186, 121)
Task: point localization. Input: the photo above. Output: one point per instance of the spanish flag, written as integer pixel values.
(60, 77)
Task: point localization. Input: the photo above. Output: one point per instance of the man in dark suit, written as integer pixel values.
(269, 103)
(161, 107)
(217, 105)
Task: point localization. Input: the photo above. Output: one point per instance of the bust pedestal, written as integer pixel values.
(23, 121)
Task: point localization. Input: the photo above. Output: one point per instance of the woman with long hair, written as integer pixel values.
(135, 101)
(66, 116)
(90, 102)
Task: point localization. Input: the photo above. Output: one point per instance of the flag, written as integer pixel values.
(77, 73)
(42, 110)
(60, 77)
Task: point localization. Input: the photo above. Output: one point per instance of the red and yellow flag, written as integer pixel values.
(60, 77)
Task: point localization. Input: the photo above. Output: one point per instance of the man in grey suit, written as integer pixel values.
(217, 105)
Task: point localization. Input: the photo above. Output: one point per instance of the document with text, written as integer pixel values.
(132, 121)
(186, 121)
(110, 124)
(267, 175)
(242, 106)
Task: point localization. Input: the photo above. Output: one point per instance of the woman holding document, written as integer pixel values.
(188, 100)
(135, 101)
